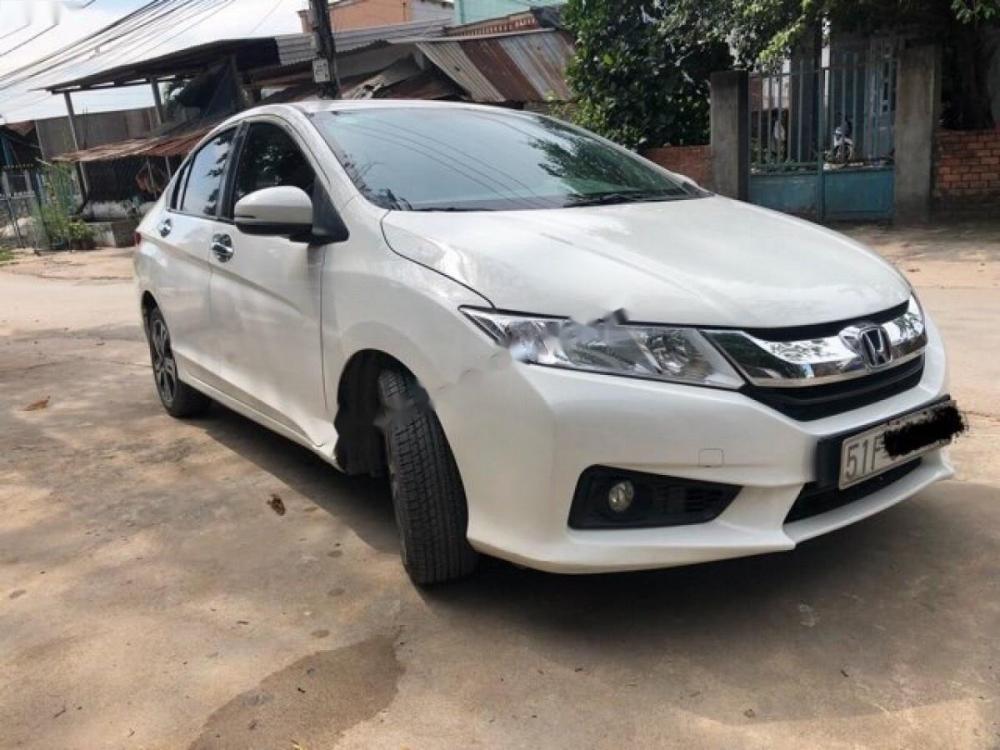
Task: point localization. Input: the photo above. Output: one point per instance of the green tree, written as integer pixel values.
(640, 73)
(762, 31)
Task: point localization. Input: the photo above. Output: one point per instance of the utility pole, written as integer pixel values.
(325, 62)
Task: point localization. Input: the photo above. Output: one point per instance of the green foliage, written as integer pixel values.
(79, 231)
(640, 73)
(55, 222)
(976, 11)
(58, 203)
(765, 30)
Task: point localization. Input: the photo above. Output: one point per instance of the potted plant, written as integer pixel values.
(81, 236)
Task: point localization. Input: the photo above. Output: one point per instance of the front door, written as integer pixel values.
(183, 232)
(265, 296)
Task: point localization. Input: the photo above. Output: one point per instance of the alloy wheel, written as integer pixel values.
(164, 366)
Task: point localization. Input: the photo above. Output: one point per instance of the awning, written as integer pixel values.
(164, 145)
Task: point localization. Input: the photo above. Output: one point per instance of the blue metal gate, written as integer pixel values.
(821, 140)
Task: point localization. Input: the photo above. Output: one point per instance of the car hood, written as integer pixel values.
(707, 261)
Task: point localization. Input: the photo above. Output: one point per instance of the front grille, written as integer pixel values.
(822, 330)
(818, 401)
(659, 500)
(814, 499)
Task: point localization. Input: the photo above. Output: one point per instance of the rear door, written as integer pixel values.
(184, 233)
(265, 293)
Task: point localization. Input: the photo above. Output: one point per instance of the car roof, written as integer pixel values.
(333, 105)
(353, 105)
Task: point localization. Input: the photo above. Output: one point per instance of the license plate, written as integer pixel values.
(864, 455)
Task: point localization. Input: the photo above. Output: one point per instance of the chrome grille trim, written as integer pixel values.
(819, 361)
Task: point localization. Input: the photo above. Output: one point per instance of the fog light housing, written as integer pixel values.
(609, 498)
(620, 496)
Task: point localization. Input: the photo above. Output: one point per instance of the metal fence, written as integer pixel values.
(35, 206)
(803, 118)
(20, 209)
(821, 139)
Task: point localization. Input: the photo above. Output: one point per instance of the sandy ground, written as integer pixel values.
(150, 598)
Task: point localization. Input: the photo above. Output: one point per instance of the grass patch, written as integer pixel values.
(6, 256)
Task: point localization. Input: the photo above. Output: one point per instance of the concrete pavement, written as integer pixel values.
(150, 598)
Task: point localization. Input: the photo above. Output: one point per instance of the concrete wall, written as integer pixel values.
(54, 136)
(730, 139)
(691, 161)
(918, 98)
(366, 14)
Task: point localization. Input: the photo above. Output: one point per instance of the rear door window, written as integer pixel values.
(177, 193)
(204, 181)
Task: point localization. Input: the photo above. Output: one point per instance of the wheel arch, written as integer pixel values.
(147, 303)
(359, 448)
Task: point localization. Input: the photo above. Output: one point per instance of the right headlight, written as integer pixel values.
(672, 354)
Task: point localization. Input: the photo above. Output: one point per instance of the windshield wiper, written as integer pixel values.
(628, 196)
(450, 209)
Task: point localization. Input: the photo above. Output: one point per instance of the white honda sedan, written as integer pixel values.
(559, 353)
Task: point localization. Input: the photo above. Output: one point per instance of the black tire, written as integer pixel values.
(180, 400)
(427, 494)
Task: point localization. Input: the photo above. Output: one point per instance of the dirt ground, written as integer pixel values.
(150, 597)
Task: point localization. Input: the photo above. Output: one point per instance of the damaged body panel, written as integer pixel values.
(707, 261)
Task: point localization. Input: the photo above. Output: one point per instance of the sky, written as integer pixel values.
(20, 20)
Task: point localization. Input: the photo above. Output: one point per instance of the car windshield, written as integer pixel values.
(463, 159)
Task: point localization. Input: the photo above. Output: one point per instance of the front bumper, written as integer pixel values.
(522, 435)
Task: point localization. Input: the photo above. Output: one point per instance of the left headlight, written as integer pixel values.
(676, 355)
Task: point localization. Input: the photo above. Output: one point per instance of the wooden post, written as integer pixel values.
(239, 96)
(157, 100)
(74, 135)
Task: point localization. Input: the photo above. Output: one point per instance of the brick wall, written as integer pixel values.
(366, 14)
(967, 170)
(691, 161)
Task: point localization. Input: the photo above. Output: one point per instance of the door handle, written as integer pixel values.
(222, 247)
(164, 227)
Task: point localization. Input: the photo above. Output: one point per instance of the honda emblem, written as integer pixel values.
(874, 347)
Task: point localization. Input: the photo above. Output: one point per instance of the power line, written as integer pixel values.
(266, 16)
(131, 30)
(65, 54)
(113, 44)
(71, 54)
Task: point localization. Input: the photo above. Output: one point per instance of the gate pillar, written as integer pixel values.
(918, 97)
(730, 137)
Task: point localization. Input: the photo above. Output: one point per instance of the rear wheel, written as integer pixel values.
(178, 399)
(427, 493)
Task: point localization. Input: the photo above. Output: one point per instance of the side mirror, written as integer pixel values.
(277, 211)
(288, 211)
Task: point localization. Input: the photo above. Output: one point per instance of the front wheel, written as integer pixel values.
(180, 400)
(427, 492)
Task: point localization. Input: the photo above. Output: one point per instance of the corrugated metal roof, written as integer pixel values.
(405, 79)
(164, 145)
(297, 48)
(453, 62)
(247, 53)
(527, 66)
(21, 128)
(254, 52)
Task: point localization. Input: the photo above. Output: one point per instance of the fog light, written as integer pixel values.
(620, 496)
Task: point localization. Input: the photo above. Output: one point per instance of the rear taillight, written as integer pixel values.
(136, 238)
